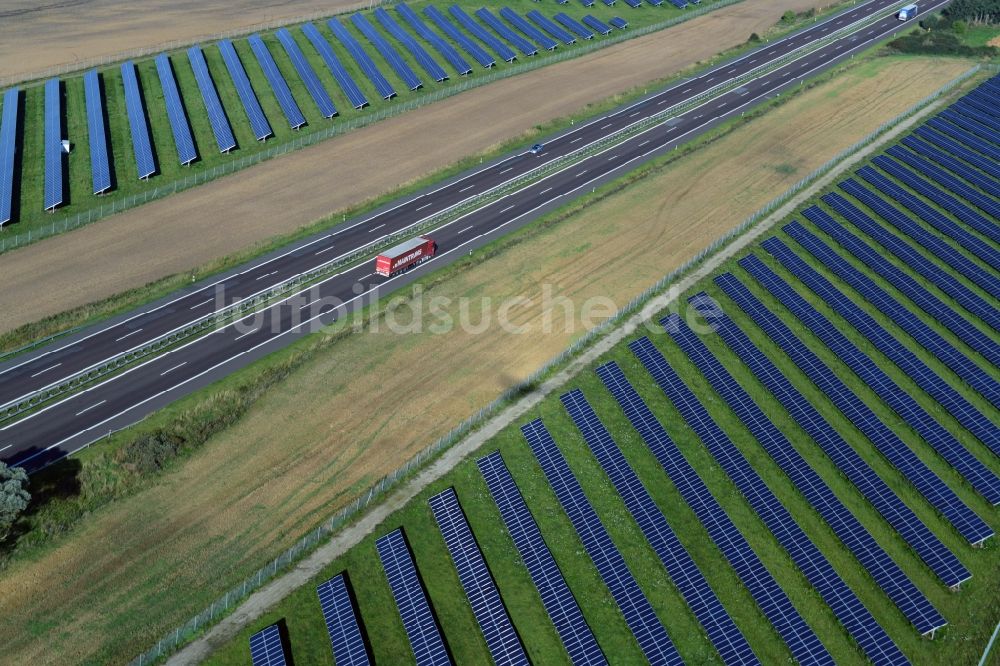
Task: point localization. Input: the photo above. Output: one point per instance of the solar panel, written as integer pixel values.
(361, 57)
(502, 50)
(634, 4)
(308, 75)
(946, 180)
(216, 114)
(344, 80)
(984, 164)
(968, 138)
(175, 111)
(885, 572)
(977, 124)
(266, 648)
(97, 133)
(137, 121)
(8, 147)
(573, 25)
(851, 613)
(618, 22)
(972, 175)
(531, 31)
(278, 85)
(447, 51)
(480, 589)
(924, 542)
(548, 26)
(53, 144)
(967, 110)
(979, 103)
(429, 65)
(639, 615)
(942, 441)
(597, 24)
(341, 619)
(388, 52)
(477, 52)
(255, 115)
(414, 609)
(934, 490)
(520, 43)
(556, 596)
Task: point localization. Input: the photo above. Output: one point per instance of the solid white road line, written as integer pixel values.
(138, 330)
(173, 368)
(5, 448)
(42, 372)
(84, 411)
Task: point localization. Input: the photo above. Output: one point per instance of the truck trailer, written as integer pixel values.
(405, 255)
(907, 12)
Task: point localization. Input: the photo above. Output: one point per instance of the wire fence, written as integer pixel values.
(221, 607)
(120, 204)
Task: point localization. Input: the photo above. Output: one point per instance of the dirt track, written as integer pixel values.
(192, 228)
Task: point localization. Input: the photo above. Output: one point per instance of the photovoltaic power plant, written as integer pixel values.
(505, 53)
(8, 148)
(346, 641)
(773, 602)
(546, 24)
(53, 144)
(477, 52)
(633, 603)
(528, 29)
(344, 80)
(502, 29)
(308, 75)
(411, 601)
(388, 51)
(251, 105)
(266, 648)
(477, 583)
(175, 111)
(97, 133)
(429, 65)
(597, 24)
(213, 106)
(278, 85)
(447, 51)
(361, 57)
(139, 126)
(573, 25)
(947, 180)
(557, 598)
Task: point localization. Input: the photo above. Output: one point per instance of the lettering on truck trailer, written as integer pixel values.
(409, 257)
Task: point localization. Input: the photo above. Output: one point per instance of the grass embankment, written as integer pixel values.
(327, 433)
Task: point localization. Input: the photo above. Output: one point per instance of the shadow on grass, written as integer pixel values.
(59, 481)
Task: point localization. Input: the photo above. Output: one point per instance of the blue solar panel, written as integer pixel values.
(8, 146)
(447, 51)
(573, 25)
(968, 109)
(977, 124)
(344, 80)
(934, 490)
(97, 133)
(778, 609)
(902, 519)
(216, 114)
(556, 596)
(983, 164)
(858, 621)
(419, 53)
(883, 570)
(501, 28)
(278, 85)
(526, 28)
(477, 52)
(255, 115)
(597, 24)
(948, 181)
(928, 302)
(979, 103)
(361, 57)
(414, 609)
(53, 144)
(931, 216)
(639, 615)
(266, 648)
(940, 439)
(308, 75)
(618, 22)
(480, 589)
(930, 339)
(387, 50)
(987, 183)
(175, 111)
(968, 138)
(502, 50)
(137, 121)
(346, 641)
(634, 4)
(548, 26)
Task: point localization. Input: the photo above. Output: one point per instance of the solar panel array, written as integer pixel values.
(528, 29)
(886, 573)
(967, 137)
(344, 79)
(388, 51)
(502, 29)
(8, 148)
(97, 133)
(266, 648)
(954, 149)
(929, 170)
(278, 85)
(953, 164)
(574, 26)
(414, 609)
(474, 50)
(558, 600)
(639, 615)
(851, 613)
(480, 589)
(216, 113)
(251, 105)
(308, 75)
(53, 144)
(597, 24)
(141, 145)
(447, 51)
(618, 22)
(505, 53)
(175, 111)
(933, 489)
(361, 57)
(429, 65)
(803, 643)
(346, 641)
(546, 24)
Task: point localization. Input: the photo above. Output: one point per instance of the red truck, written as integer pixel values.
(405, 255)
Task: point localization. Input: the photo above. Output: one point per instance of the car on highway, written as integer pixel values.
(536, 149)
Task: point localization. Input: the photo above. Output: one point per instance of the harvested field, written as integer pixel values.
(189, 229)
(144, 564)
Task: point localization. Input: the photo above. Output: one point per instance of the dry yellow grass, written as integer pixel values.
(376, 398)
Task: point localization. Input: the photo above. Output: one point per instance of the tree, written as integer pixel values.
(788, 17)
(975, 11)
(14, 497)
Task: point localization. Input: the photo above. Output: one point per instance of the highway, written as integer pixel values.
(79, 419)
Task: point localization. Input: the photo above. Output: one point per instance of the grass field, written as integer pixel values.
(325, 435)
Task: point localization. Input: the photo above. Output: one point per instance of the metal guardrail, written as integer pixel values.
(31, 400)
